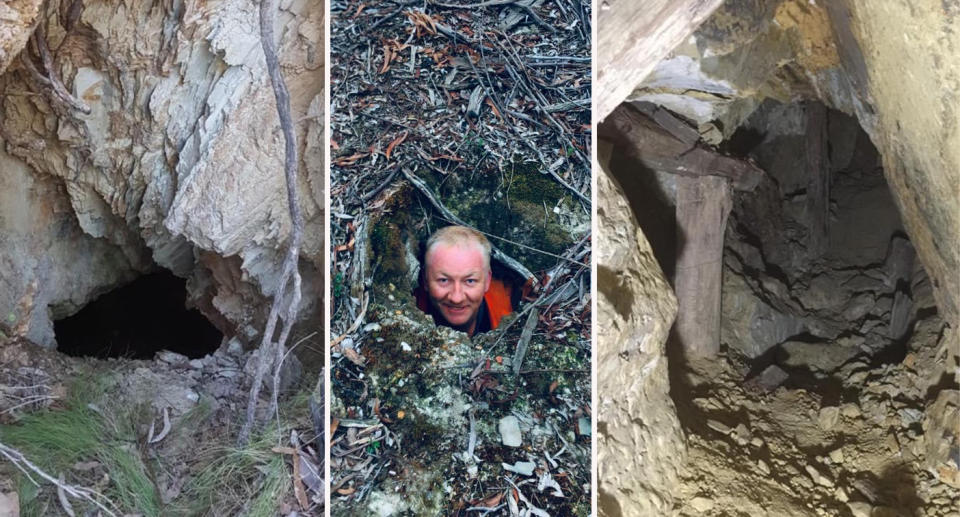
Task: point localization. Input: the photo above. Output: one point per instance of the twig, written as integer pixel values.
(495, 252)
(20, 461)
(356, 323)
(62, 496)
(488, 3)
(472, 440)
(268, 10)
(484, 509)
(555, 370)
(370, 195)
(50, 80)
(524, 341)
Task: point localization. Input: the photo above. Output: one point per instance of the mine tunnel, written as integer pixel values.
(806, 327)
(796, 259)
(137, 320)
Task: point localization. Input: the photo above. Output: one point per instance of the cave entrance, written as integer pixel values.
(136, 321)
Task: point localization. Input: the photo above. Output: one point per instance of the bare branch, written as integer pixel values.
(50, 80)
(291, 274)
(21, 462)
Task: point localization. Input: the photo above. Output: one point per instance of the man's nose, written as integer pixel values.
(456, 293)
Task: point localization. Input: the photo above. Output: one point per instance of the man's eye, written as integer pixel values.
(441, 280)
(471, 281)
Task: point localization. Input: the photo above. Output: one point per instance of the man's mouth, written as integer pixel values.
(456, 310)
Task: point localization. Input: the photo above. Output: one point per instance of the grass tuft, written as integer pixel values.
(56, 439)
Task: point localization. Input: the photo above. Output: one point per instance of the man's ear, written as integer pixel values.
(489, 280)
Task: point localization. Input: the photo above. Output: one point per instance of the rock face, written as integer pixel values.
(917, 131)
(852, 55)
(18, 17)
(639, 444)
(633, 41)
(178, 165)
(862, 284)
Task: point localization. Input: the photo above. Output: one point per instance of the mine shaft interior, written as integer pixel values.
(806, 323)
(137, 320)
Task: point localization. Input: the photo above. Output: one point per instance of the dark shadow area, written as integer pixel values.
(138, 320)
(653, 206)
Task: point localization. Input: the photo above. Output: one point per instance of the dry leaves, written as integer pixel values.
(422, 23)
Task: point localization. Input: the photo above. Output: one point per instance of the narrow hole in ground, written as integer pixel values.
(136, 321)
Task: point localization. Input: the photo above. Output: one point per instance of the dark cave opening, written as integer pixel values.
(138, 320)
(819, 273)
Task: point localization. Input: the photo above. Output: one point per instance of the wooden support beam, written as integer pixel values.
(703, 204)
(634, 36)
(662, 144)
(818, 183)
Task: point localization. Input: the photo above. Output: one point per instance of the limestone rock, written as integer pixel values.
(828, 418)
(510, 434)
(639, 443)
(941, 432)
(632, 42)
(18, 22)
(9, 504)
(702, 504)
(178, 165)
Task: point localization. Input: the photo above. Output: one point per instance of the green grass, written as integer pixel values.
(274, 487)
(231, 476)
(225, 479)
(56, 439)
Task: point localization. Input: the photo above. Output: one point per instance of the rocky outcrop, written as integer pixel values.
(916, 125)
(178, 164)
(639, 443)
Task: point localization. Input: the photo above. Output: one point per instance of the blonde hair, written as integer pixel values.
(459, 236)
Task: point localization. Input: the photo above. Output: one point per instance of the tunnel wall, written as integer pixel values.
(640, 445)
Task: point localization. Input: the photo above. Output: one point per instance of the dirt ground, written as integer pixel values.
(152, 437)
(856, 444)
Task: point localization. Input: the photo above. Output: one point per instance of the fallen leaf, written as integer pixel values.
(553, 386)
(446, 157)
(350, 160)
(298, 490)
(346, 491)
(494, 500)
(396, 141)
(493, 108)
(387, 57)
(359, 10)
(354, 357)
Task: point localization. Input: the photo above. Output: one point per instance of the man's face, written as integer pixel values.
(456, 282)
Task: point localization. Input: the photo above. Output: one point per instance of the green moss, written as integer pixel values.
(526, 183)
(388, 243)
